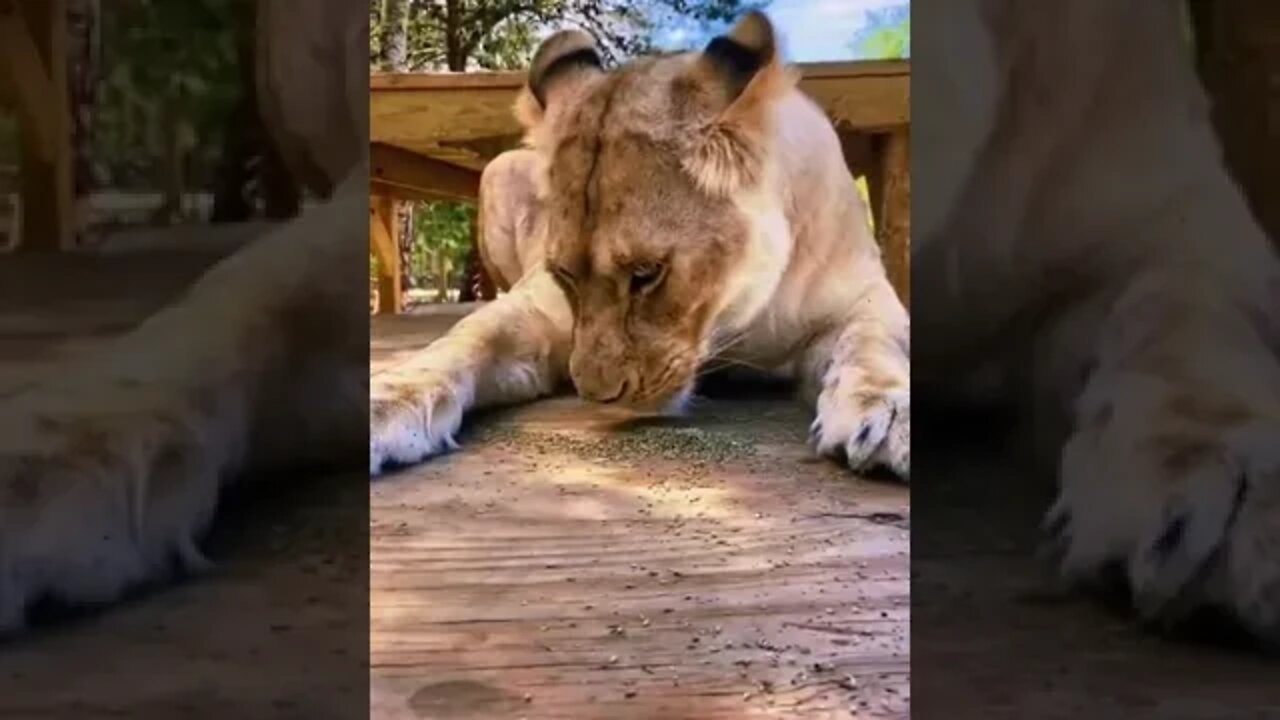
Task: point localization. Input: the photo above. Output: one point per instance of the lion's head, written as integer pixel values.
(662, 222)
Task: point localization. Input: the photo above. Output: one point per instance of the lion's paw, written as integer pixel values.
(93, 504)
(867, 429)
(1193, 520)
(412, 422)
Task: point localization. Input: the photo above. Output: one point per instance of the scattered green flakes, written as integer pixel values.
(695, 445)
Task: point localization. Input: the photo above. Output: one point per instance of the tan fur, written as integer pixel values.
(1081, 233)
(733, 190)
(508, 216)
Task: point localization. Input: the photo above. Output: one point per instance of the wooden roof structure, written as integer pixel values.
(432, 134)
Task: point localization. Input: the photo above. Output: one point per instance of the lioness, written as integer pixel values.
(1079, 233)
(675, 211)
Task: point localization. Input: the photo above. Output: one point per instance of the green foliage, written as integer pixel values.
(167, 67)
(441, 240)
(502, 34)
(887, 35)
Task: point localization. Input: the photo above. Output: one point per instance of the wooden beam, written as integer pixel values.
(25, 78)
(382, 239)
(893, 222)
(33, 43)
(446, 114)
(405, 193)
(407, 174)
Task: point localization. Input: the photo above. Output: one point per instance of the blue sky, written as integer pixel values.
(812, 30)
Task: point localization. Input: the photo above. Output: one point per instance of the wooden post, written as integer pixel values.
(33, 66)
(893, 221)
(382, 238)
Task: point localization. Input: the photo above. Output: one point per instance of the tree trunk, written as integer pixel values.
(395, 55)
(442, 278)
(454, 57)
(407, 237)
(172, 174)
(395, 46)
(1238, 54)
(83, 73)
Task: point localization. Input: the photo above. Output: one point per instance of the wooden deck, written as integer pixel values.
(462, 591)
(560, 566)
(277, 629)
(994, 639)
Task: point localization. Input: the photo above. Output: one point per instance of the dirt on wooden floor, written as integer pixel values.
(571, 562)
(277, 629)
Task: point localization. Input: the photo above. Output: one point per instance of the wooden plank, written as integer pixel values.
(382, 239)
(544, 571)
(893, 222)
(47, 181)
(467, 117)
(25, 79)
(514, 79)
(411, 175)
(291, 555)
(407, 194)
(871, 103)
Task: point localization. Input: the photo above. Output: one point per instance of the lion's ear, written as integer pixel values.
(746, 63)
(561, 62)
(744, 71)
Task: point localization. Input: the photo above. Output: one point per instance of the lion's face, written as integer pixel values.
(657, 225)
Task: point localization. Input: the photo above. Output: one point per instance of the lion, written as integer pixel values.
(1081, 242)
(112, 462)
(675, 213)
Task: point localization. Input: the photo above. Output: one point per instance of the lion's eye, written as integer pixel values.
(646, 276)
(562, 275)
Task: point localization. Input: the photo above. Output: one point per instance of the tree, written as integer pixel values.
(459, 35)
(886, 35)
(392, 29)
(170, 76)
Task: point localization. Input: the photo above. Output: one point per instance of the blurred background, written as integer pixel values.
(163, 119)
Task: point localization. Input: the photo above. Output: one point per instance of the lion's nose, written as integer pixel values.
(603, 393)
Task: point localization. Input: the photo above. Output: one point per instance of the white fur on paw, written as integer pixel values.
(868, 430)
(1198, 533)
(412, 423)
(91, 507)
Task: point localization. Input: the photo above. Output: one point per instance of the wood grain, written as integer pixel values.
(408, 175)
(278, 628)
(466, 118)
(543, 572)
(893, 229)
(382, 240)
